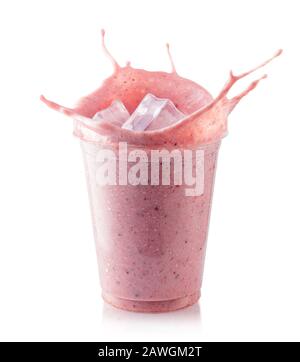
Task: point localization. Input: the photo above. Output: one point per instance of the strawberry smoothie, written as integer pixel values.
(151, 239)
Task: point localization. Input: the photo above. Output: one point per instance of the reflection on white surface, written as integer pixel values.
(131, 326)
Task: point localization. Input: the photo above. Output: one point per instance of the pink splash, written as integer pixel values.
(206, 119)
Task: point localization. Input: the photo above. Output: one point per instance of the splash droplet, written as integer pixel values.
(234, 78)
(171, 59)
(107, 53)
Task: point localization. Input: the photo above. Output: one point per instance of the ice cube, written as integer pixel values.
(153, 113)
(116, 113)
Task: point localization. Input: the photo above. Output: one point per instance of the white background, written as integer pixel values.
(49, 288)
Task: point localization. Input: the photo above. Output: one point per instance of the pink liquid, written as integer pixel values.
(151, 240)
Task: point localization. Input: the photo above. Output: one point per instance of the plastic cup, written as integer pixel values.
(150, 239)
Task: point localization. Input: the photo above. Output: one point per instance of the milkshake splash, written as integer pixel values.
(205, 121)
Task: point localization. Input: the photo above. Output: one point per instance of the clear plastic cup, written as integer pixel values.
(150, 239)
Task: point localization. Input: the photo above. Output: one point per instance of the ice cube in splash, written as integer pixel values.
(116, 113)
(153, 113)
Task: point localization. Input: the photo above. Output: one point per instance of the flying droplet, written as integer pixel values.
(107, 53)
(171, 59)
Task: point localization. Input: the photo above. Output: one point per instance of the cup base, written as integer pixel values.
(151, 306)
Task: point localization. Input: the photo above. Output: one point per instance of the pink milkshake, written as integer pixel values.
(151, 238)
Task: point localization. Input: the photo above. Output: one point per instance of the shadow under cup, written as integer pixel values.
(150, 239)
